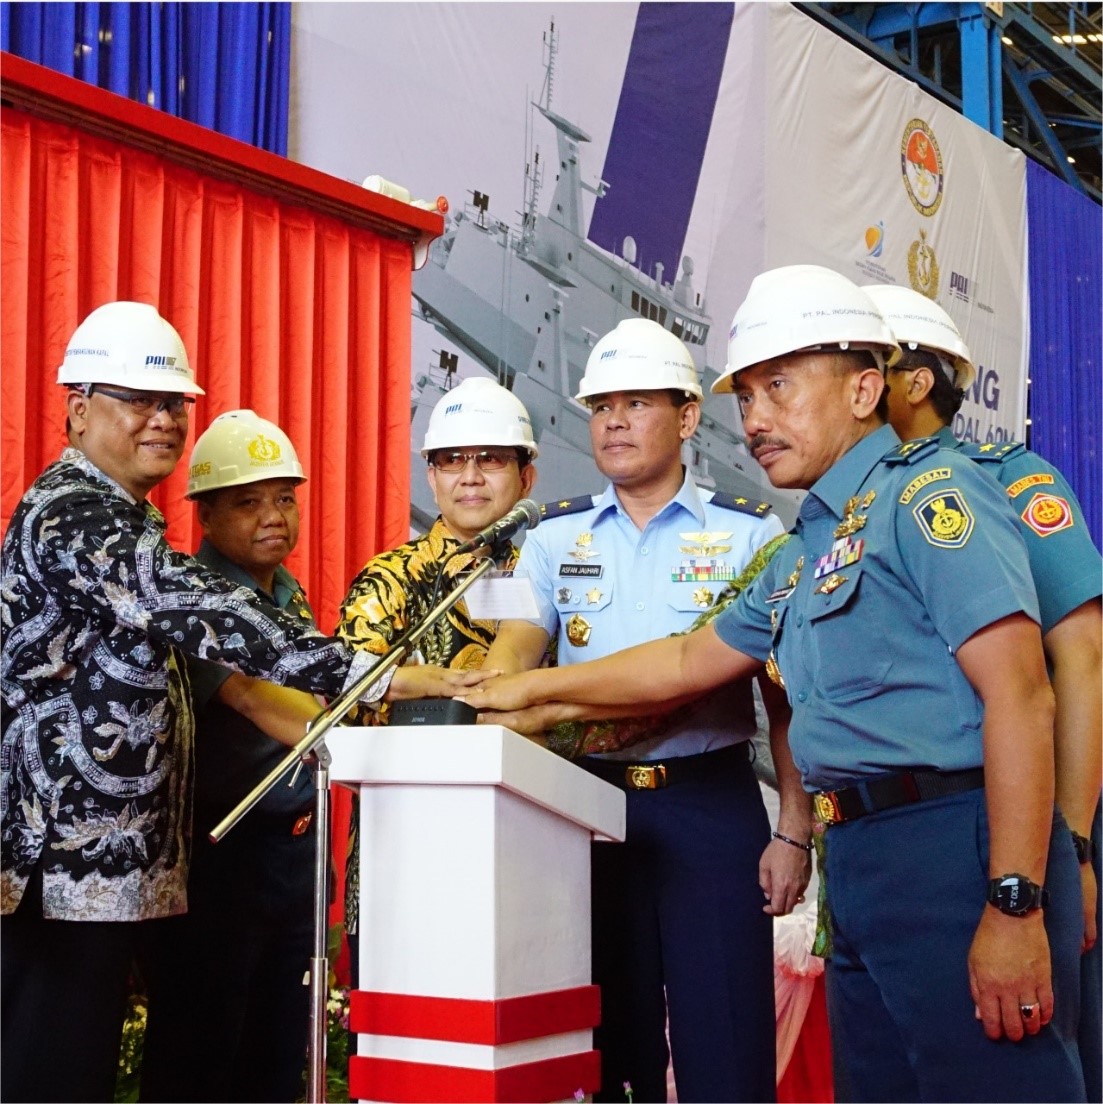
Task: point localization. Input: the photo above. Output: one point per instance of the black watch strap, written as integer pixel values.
(1085, 849)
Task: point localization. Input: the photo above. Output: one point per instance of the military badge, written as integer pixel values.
(944, 518)
(582, 550)
(593, 596)
(843, 553)
(702, 597)
(1047, 514)
(564, 595)
(773, 671)
(578, 631)
(705, 544)
(831, 584)
(794, 577)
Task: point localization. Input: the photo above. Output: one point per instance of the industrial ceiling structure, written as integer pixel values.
(1028, 73)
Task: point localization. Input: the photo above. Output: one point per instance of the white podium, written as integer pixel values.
(474, 914)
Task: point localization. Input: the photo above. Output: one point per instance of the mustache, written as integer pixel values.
(761, 440)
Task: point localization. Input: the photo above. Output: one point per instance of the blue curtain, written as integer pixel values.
(223, 65)
(1065, 232)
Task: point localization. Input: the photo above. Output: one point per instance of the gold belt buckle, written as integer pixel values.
(826, 808)
(645, 778)
(302, 824)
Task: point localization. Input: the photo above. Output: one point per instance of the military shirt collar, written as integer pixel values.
(688, 497)
(847, 474)
(77, 458)
(284, 585)
(946, 438)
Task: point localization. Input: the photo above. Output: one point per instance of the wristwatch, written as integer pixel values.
(1085, 850)
(1016, 894)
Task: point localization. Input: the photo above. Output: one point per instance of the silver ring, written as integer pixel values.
(1027, 1010)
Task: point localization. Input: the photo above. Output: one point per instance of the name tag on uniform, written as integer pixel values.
(495, 597)
(580, 571)
(780, 595)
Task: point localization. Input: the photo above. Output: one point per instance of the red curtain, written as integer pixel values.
(295, 314)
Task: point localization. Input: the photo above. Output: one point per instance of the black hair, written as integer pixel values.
(944, 396)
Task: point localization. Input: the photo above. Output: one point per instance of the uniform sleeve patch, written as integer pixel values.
(753, 506)
(944, 518)
(1047, 514)
(921, 481)
(1021, 485)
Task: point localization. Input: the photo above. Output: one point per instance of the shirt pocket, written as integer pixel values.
(850, 656)
(582, 596)
(692, 597)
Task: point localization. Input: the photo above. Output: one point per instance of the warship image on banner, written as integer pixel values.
(528, 304)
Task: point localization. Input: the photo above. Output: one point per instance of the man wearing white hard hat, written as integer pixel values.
(480, 453)
(228, 1011)
(682, 909)
(901, 620)
(99, 613)
(925, 390)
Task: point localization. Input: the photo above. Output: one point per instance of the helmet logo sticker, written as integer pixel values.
(264, 450)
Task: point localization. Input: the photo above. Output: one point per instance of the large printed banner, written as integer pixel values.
(609, 160)
(870, 175)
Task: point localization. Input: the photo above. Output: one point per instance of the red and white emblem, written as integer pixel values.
(1047, 514)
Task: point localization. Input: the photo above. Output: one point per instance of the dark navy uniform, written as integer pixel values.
(900, 554)
(228, 1011)
(677, 908)
(1066, 569)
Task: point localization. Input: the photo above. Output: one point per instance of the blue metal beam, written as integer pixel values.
(981, 83)
(1038, 119)
(893, 19)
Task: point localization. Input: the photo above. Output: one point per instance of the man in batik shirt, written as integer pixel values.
(480, 449)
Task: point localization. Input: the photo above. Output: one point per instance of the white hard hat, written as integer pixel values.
(240, 447)
(479, 411)
(920, 323)
(131, 345)
(639, 355)
(803, 307)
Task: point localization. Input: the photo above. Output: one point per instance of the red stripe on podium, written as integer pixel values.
(412, 1082)
(491, 1022)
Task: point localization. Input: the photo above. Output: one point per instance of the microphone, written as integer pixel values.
(525, 515)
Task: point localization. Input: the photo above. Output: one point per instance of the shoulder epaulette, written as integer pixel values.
(991, 453)
(565, 506)
(753, 506)
(908, 452)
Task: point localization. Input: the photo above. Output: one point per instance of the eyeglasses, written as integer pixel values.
(147, 403)
(486, 460)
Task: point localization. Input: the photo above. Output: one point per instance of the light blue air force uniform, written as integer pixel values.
(677, 918)
(602, 585)
(899, 555)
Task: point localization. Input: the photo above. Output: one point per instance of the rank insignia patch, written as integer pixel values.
(944, 518)
(1047, 514)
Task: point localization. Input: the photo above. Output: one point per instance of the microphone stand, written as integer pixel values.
(311, 749)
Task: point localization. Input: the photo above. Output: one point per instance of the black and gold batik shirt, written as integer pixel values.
(98, 612)
(390, 595)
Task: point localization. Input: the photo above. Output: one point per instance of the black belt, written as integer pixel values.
(660, 773)
(888, 791)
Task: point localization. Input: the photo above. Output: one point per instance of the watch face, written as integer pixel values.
(1014, 894)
